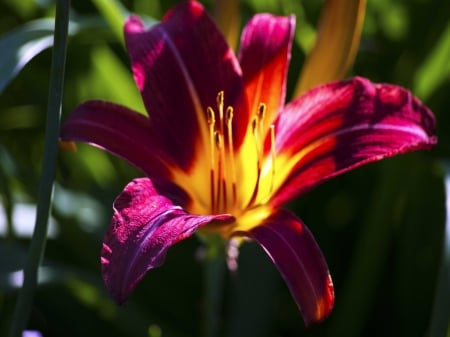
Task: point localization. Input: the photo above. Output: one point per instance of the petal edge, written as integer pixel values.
(294, 251)
(145, 225)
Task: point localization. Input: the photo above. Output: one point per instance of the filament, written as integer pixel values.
(229, 119)
(211, 123)
(272, 157)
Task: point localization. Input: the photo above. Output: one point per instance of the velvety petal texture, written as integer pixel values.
(264, 56)
(222, 151)
(118, 130)
(180, 65)
(145, 225)
(339, 126)
(297, 256)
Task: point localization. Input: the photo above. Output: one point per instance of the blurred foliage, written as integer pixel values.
(381, 227)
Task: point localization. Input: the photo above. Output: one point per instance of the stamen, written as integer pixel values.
(229, 120)
(223, 184)
(255, 132)
(219, 101)
(211, 123)
(216, 197)
(255, 129)
(261, 117)
(221, 178)
(272, 156)
(260, 134)
(262, 110)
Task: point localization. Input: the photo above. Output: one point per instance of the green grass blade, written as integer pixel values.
(38, 242)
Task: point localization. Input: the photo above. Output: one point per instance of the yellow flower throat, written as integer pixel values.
(225, 165)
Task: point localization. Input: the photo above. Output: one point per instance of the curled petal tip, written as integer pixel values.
(325, 304)
(134, 24)
(144, 226)
(297, 256)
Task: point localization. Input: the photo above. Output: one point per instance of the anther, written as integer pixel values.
(218, 139)
(210, 116)
(219, 99)
(229, 120)
(262, 111)
(223, 171)
(229, 115)
(254, 124)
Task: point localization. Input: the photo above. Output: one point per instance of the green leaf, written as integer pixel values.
(21, 45)
(435, 69)
(114, 14)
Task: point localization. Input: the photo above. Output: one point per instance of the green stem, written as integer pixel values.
(215, 270)
(36, 251)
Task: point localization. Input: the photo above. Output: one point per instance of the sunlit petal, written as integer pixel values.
(264, 57)
(145, 225)
(336, 45)
(118, 130)
(339, 126)
(297, 256)
(179, 73)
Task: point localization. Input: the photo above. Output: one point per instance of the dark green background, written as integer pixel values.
(380, 227)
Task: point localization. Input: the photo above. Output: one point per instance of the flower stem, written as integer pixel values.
(36, 251)
(215, 270)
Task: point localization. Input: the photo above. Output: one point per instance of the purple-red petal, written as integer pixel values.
(299, 259)
(180, 65)
(339, 126)
(144, 226)
(264, 56)
(120, 131)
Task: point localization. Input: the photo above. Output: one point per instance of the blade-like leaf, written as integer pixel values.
(436, 67)
(227, 15)
(21, 45)
(336, 46)
(114, 13)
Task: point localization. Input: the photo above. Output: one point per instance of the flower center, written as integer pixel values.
(224, 194)
(222, 166)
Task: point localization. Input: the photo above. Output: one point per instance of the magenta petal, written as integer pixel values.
(145, 225)
(297, 256)
(339, 126)
(264, 56)
(118, 130)
(180, 65)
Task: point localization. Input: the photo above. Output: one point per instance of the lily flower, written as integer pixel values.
(222, 152)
